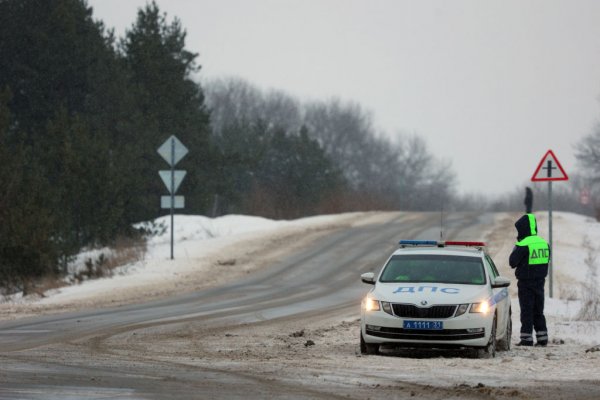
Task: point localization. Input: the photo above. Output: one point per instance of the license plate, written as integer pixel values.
(425, 325)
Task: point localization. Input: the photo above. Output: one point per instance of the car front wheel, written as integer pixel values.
(489, 351)
(504, 343)
(368, 348)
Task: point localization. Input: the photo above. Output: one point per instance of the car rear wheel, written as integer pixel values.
(489, 351)
(368, 348)
(504, 343)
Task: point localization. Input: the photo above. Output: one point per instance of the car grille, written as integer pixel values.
(412, 311)
(412, 334)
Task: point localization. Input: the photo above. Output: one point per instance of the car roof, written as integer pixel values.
(448, 250)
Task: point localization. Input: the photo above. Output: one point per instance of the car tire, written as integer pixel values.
(489, 351)
(368, 348)
(504, 343)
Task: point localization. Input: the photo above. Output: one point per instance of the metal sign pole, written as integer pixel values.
(172, 151)
(172, 192)
(553, 172)
(550, 263)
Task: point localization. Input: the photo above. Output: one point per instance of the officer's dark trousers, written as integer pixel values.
(531, 300)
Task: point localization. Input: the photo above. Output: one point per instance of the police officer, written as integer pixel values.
(530, 258)
(528, 200)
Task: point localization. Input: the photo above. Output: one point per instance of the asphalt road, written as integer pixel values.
(65, 356)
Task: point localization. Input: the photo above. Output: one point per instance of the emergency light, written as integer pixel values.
(440, 243)
(474, 244)
(418, 243)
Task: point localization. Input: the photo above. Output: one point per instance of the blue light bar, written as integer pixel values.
(418, 243)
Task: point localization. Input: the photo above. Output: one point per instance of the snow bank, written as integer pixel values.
(200, 243)
(575, 239)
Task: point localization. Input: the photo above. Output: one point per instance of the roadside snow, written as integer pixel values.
(576, 264)
(575, 237)
(208, 251)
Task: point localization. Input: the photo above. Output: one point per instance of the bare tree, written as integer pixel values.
(344, 131)
(380, 171)
(231, 102)
(235, 102)
(587, 152)
(281, 110)
(426, 182)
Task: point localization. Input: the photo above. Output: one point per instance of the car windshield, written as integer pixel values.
(434, 268)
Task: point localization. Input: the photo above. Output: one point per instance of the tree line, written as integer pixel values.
(350, 167)
(82, 113)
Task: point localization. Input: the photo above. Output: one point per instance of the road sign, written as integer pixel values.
(172, 150)
(167, 175)
(172, 202)
(549, 169)
(584, 196)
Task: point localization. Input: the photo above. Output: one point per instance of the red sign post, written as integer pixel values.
(584, 196)
(548, 170)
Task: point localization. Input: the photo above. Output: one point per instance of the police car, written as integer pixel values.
(437, 294)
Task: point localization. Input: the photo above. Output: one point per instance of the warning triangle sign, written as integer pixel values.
(549, 169)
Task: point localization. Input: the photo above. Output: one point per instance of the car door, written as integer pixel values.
(500, 296)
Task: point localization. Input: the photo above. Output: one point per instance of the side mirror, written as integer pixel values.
(368, 278)
(500, 282)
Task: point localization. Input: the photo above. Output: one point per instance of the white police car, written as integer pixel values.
(437, 295)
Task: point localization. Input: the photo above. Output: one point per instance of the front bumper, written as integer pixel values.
(467, 330)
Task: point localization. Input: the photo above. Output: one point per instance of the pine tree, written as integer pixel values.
(26, 246)
(70, 117)
(171, 103)
(292, 175)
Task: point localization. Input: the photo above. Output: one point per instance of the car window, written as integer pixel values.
(434, 268)
(493, 270)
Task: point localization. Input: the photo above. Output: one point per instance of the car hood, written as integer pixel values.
(431, 293)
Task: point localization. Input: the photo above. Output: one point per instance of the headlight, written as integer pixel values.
(482, 307)
(371, 304)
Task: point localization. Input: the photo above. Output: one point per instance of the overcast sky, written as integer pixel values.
(490, 85)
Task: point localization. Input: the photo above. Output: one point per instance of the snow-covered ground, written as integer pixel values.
(576, 264)
(207, 252)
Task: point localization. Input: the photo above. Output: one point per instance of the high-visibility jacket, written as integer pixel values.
(531, 254)
(539, 251)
